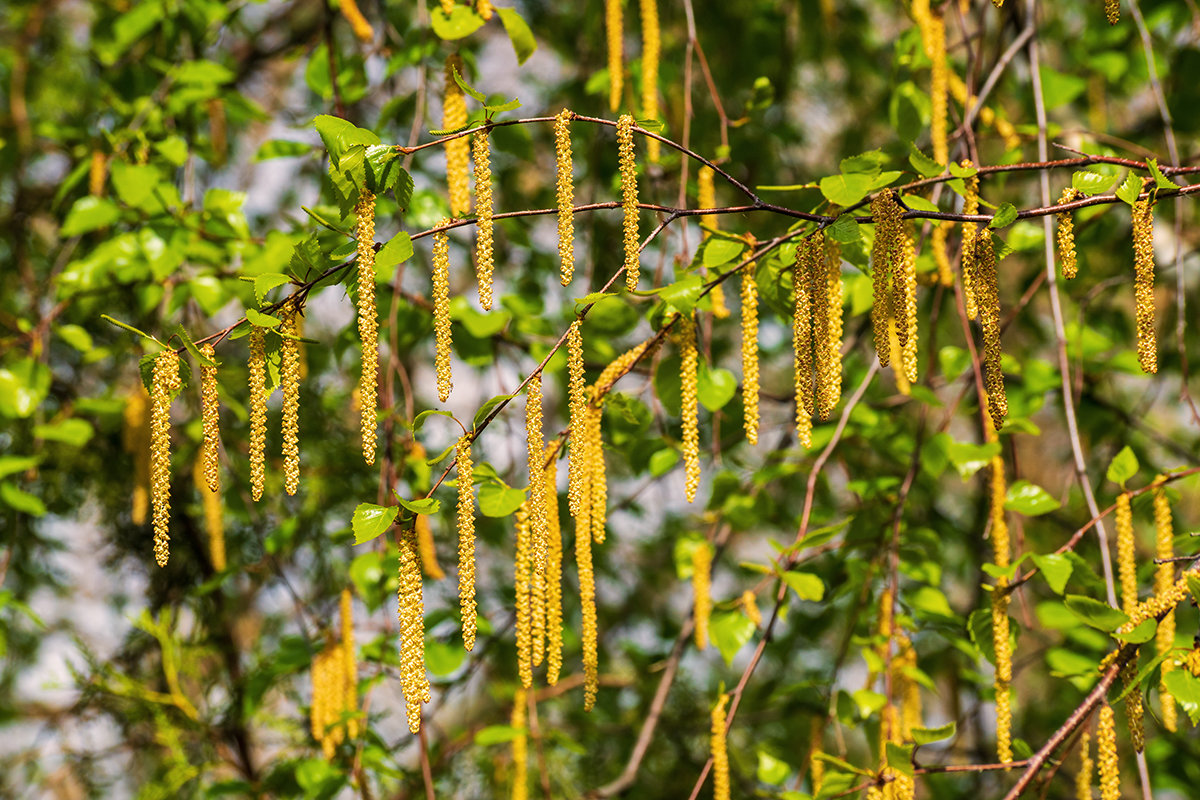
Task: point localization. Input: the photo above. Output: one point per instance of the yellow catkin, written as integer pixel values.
(987, 294)
(1135, 712)
(537, 484)
(565, 196)
(210, 412)
(1066, 235)
(998, 3)
(1083, 778)
(1112, 10)
(597, 478)
(458, 151)
(938, 86)
(97, 173)
(214, 518)
(410, 605)
(906, 690)
(587, 602)
(427, 550)
(816, 765)
(1143, 287)
(629, 199)
(521, 583)
(484, 8)
(1126, 561)
(1106, 755)
(750, 388)
(165, 383)
(258, 411)
(553, 584)
(885, 255)
(688, 361)
(720, 752)
(484, 256)
(833, 288)
(651, 47)
(1003, 684)
(825, 348)
(1164, 576)
(615, 34)
(802, 338)
(706, 197)
(750, 608)
(448, 6)
(358, 23)
(1192, 662)
(217, 129)
(441, 311)
(350, 661)
(941, 256)
(466, 540)
(904, 305)
(578, 412)
(325, 701)
(368, 323)
(701, 592)
(520, 746)
(970, 233)
(135, 438)
(289, 380)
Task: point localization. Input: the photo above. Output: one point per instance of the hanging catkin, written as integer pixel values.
(907, 690)
(1143, 287)
(485, 9)
(969, 235)
(210, 422)
(904, 305)
(614, 28)
(1112, 10)
(651, 46)
(97, 173)
(750, 353)
(358, 23)
(884, 259)
(214, 520)
(484, 256)
(521, 583)
(135, 437)
(1106, 755)
(258, 411)
(706, 197)
(1003, 685)
(537, 483)
(441, 310)
(565, 196)
(750, 608)
(987, 294)
(1066, 235)
(427, 550)
(587, 602)
(935, 48)
(1164, 577)
(825, 352)
(458, 156)
(597, 477)
(1083, 778)
(165, 383)
(1126, 561)
(368, 323)
(327, 697)
(701, 592)
(350, 662)
(578, 411)
(410, 604)
(553, 585)
(289, 380)
(802, 337)
(466, 540)
(520, 746)
(688, 360)
(629, 199)
(720, 753)
(832, 384)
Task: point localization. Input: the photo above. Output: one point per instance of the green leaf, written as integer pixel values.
(127, 327)
(729, 631)
(261, 320)
(370, 521)
(1142, 633)
(719, 250)
(460, 23)
(1099, 615)
(1160, 180)
(1055, 568)
(499, 500)
(424, 415)
(918, 203)
(845, 229)
(444, 658)
(384, 168)
(468, 88)
(683, 553)
(959, 171)
(11, 465)
(266, 282)
(683, 294)
(518, 33)
(425, 505)
(22, 501)
(868, 702)
(931, 735)
(923, 164)
(715, 387)
(1130, 189)
(73, 431)
(1005, 215)
(969, 458)
(397, 250)
(487, 407)
(899, 758)
(1185, 688)
(1029, 499)
(1123, 466)
(868, 163)
(325, 221)
(1193, 584)
(806, 585)
(495, 734)
(1091, 183)
(1059, 88)
(281, 148)
(771, 769)
(88, 214)
(339, 136)
(846, 190)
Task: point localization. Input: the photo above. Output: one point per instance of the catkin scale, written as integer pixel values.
(441, 310)
(484, 255)
(289, 379)
(1164, 576)
(368, 323)
(615, 34)
(719, 750)
(466, 540)
(701, 592)
(629, 200)
(688, 361)
(1065, 235)
(565, 196)
(651, 47)
(454, 117)
(750, 389)
(1143, 287)
(257, 366)
(166, 383)
(410, 605)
